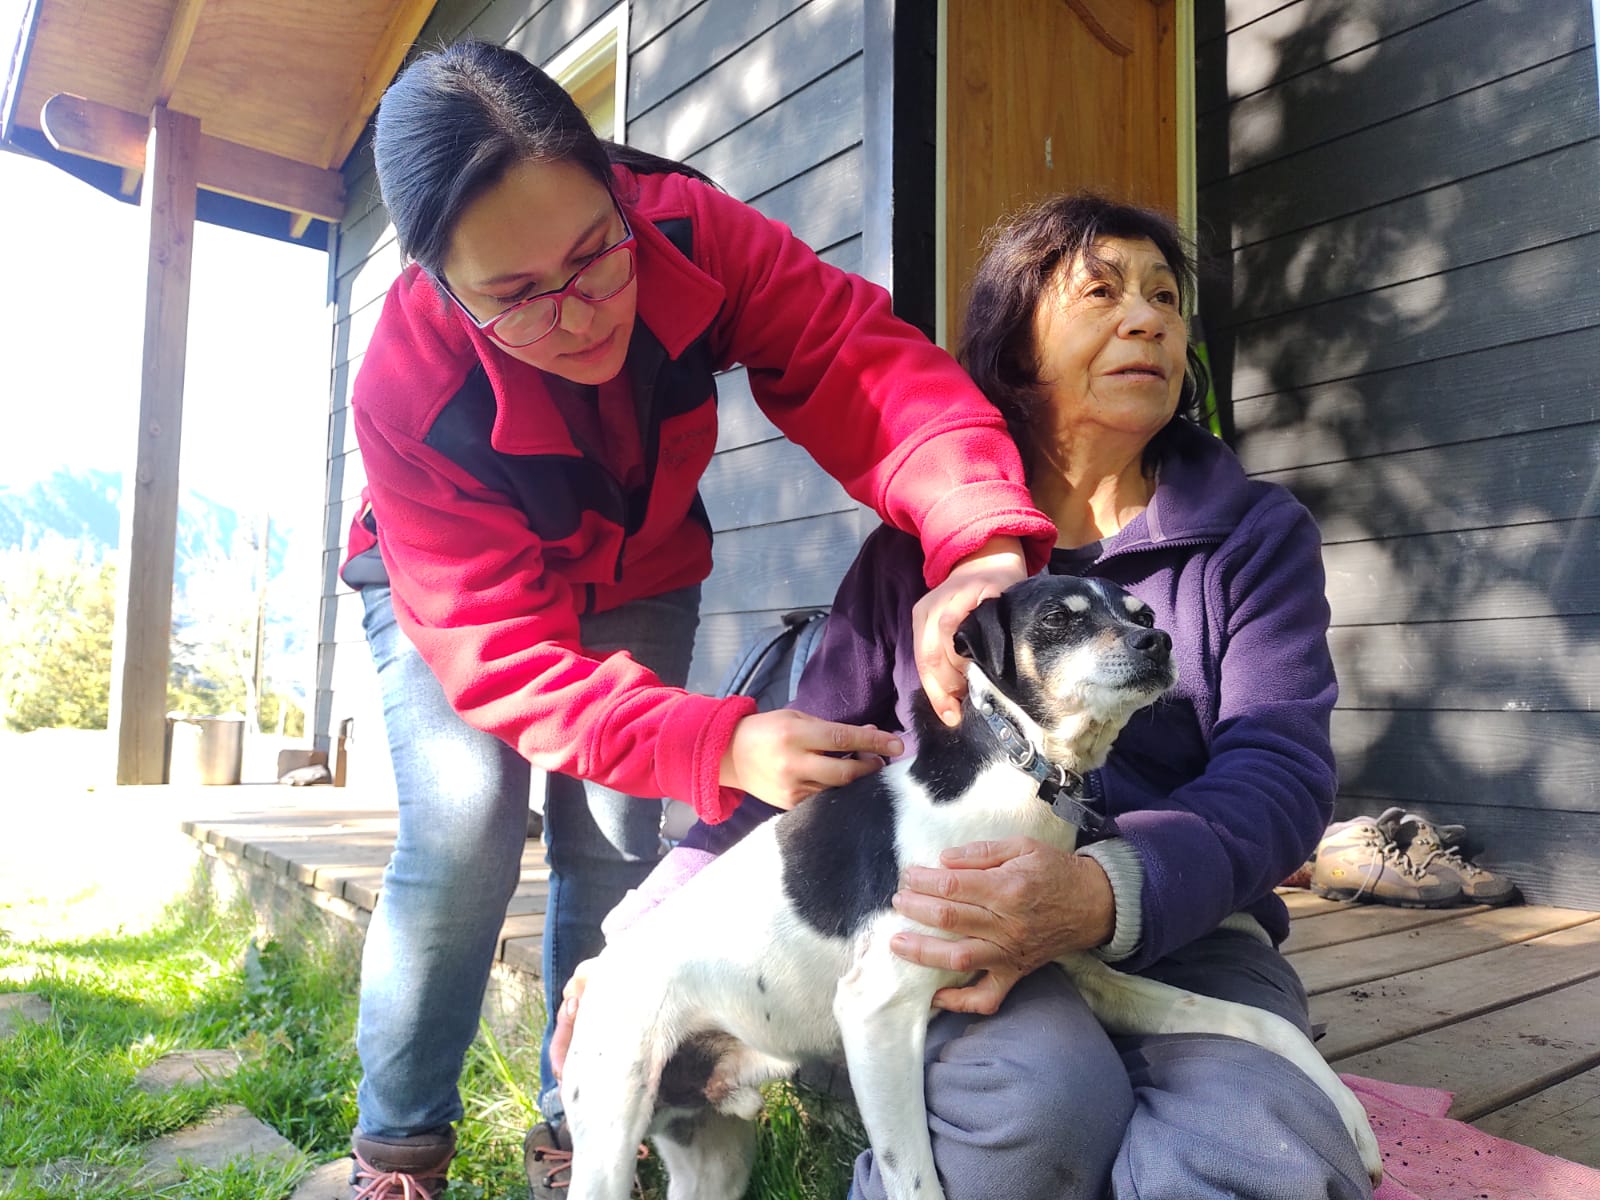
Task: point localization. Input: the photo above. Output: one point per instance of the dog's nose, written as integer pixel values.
(1154, 644)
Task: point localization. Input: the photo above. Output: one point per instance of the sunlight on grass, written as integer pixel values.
(119, 1003)
(199, 980)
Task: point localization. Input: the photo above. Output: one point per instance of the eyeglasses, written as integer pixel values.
(528, 321)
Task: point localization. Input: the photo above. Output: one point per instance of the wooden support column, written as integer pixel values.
(142, 646)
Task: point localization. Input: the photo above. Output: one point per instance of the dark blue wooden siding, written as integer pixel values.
(1401, 223)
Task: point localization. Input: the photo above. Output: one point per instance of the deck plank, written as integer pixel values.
(1349, 963)
(1358, 921)
(1563, 1120)
(1303, 904)
(1386, 1010)
(1497, 1058)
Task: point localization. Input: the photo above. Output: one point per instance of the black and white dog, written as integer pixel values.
(778, 951)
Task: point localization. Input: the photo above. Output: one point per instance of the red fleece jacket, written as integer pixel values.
(490, 592)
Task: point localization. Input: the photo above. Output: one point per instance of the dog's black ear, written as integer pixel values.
(985, 637)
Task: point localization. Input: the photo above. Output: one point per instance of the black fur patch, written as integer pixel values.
(685, 1078)
(949, 760)
(839, 860)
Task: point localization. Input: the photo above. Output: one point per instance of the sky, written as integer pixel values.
(71, 326)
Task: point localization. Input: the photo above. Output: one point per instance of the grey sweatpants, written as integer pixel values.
(1038, 1103)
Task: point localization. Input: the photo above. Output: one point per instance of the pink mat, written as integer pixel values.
(1427, 1156)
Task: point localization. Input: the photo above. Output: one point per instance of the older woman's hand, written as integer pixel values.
(1013, 905)
(936, 617)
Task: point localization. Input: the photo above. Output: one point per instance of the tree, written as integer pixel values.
(57, 611)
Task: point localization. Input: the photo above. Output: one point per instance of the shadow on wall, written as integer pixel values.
(1403, 235)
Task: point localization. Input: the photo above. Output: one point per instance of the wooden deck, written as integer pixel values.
(1499, 1006)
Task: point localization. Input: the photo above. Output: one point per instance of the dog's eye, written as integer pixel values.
(1143, 617)
(1058, 618)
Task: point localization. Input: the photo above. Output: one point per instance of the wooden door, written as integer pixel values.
(1046, 96)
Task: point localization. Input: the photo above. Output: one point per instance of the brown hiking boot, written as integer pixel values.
(1433, 849)
(404, 1168)
(1357, 860)
(547, 1158)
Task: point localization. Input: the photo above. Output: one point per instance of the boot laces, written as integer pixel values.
(1389, 855)
(561, 1160)
(1448, 855)
(393, 1185)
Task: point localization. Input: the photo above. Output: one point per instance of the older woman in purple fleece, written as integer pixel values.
(1075, 328)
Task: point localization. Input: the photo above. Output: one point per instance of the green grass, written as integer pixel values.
(200, 981)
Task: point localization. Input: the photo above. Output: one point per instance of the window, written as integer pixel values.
(593, 69)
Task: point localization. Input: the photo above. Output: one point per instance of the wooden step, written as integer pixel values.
(1385, 1010)
(1499, 1057)
(1347, 963)
(1357, 921)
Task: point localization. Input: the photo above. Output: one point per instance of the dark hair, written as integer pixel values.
(1022, 255)
(457, 119)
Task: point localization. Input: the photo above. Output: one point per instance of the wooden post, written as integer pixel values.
(141, 651)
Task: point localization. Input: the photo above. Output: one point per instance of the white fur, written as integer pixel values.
(727, 952)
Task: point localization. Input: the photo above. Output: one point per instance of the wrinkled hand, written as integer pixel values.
(567, 1016)
(784, 756)
(936, 617)
(1013, 905)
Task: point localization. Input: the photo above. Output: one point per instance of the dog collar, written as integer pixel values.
(1060, 788)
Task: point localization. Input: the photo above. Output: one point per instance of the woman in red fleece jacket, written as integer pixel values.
(535, 411)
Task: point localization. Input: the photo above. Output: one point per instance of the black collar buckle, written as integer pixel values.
(1061, 789)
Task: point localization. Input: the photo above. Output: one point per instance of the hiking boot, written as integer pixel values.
(403, 1168)
(547, 1158)
(1433, 848)
(1357, 860)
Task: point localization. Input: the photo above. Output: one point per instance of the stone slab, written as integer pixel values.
(187, 1068)
(230, 1135)
(233, 1133)
(22, 1008)
(328, 1182)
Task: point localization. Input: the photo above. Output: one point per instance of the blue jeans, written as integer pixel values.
(1038, 1102)
(463, 819)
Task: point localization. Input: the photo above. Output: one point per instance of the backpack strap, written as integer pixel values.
(796, 636)
(811, 623)
(739, 676)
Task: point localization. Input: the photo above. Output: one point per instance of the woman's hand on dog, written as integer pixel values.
(566, 1016)
(785, 755)
(936, 617)
(1013, 905)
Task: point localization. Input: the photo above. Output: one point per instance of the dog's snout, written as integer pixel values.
(1154, 644)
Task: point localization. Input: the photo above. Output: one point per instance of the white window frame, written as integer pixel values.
(605, 40)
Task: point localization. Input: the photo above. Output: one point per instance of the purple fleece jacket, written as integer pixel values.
(1223, 787)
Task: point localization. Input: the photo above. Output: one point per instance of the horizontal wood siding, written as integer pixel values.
(765, 96)
(1401, 231)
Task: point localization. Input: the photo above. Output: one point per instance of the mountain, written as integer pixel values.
(213, 541)
(85, 506)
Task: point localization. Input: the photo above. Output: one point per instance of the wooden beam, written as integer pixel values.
(270, 179)
(141, 647)
(180, 34)
(379, 71)
(110, 135)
